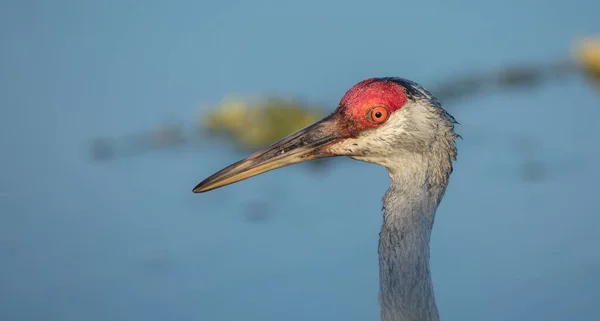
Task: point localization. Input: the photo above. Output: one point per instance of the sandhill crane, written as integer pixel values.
(397, 124)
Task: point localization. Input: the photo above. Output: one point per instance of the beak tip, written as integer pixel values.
(199, 189)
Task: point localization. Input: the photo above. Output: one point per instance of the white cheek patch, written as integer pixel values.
(393, 127)
(408, 127)
(373, 141)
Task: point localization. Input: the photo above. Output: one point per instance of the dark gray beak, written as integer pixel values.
(304, 145)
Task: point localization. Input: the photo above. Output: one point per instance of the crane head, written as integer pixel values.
(376, 119)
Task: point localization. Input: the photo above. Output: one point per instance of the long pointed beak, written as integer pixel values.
(304, 145)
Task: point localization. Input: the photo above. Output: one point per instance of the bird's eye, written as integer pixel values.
(378, 114)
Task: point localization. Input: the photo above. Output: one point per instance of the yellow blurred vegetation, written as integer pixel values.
(259, 123)
(587, 55)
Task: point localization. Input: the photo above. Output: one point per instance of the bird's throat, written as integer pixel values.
(406, 289)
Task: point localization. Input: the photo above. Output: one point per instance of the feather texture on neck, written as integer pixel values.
(419, 181)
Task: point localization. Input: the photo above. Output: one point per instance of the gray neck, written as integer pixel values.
(406, 289)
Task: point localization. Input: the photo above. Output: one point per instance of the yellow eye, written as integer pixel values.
(378, 114)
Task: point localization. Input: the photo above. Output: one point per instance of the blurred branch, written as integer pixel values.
(249, 125)
(512, 77)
